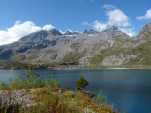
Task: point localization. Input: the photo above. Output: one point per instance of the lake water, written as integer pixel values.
(127, 90)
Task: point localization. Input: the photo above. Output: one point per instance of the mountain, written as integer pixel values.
(109, 48)
(145, 33)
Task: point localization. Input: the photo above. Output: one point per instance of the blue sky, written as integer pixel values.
(75, 14)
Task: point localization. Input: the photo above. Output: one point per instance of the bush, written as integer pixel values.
(82, 83)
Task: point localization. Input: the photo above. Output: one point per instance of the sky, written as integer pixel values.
(22, 17)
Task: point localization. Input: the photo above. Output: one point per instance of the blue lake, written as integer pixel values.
(127, 90)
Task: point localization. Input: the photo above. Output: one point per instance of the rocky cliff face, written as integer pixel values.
(110, 47)
(145, 33)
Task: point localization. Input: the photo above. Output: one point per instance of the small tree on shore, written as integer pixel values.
(82, 83)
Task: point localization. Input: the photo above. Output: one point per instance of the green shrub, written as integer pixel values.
(82, 83)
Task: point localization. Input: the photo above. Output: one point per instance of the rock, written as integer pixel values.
(145, 33)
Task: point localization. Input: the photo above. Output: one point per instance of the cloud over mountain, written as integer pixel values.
(146, 16)
(115, 17)
(20, 29)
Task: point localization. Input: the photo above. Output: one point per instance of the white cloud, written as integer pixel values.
(115, 17)
(146, 16)
(100, 26)
(48, 27)
(20, 29)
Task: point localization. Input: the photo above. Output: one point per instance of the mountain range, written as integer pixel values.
(109, 48)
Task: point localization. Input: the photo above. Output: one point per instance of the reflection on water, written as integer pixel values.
(127, 90)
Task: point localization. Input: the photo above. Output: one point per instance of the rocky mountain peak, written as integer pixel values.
(90, 31)
(55, 32)
(68, 32)
(112, 29)
(114, 32)
(145, 32)
(40, 35)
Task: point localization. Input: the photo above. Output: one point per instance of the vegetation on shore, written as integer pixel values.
(47, 97)
(82, 83)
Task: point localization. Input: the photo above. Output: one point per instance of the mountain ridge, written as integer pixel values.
(109, 48)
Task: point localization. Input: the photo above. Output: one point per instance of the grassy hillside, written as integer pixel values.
(142, 54)
(46, 96)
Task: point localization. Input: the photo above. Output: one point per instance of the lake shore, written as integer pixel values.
(34, 95)
(99, 68)
(78, 68)
(13, 65)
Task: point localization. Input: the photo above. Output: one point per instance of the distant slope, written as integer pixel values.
(109, 48)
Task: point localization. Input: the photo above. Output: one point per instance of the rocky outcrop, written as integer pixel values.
(145, 33)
